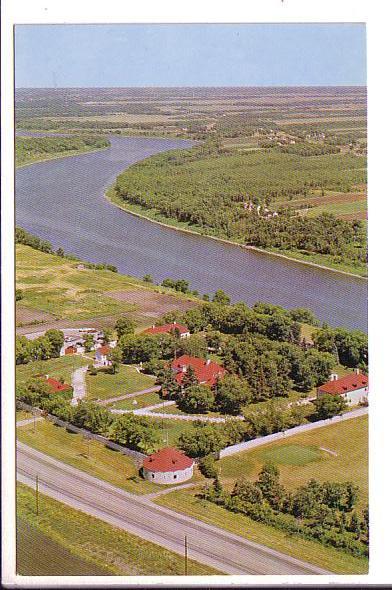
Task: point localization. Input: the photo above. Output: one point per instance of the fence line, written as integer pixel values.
(87, 433)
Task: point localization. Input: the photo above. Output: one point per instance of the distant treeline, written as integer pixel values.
(30, 149)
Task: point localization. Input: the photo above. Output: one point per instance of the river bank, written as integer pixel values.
(88, 225)
(61, 156)
(175, 225)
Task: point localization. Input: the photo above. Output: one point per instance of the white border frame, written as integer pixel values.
(176, 11)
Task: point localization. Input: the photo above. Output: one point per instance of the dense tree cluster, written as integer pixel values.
(324, 512)
(349, 346)
(207, 186)
(42, 348)
(28, 149)
(131, 431)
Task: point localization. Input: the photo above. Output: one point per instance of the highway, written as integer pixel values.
(227, 552)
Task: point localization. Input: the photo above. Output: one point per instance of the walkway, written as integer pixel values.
(29, 421)
(264, 440)
(119, 398)
(79, 384)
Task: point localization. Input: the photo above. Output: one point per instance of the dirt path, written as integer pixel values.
(105, 402)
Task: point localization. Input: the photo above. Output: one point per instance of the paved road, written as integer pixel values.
(225, 551)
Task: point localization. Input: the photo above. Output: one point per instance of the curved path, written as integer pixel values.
(63, 201)
(225, 551)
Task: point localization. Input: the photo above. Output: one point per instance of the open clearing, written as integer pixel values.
(54, 287)
(63, 366)
(81, 544)
(106, 385)
(348, 439)
(150, 303)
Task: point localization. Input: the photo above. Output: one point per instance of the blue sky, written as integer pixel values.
(190, 55)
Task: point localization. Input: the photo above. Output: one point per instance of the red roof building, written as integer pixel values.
(167, 466)
(104, 350)
(169, 329)
(352, 387)
(56, 386)
(206, 372)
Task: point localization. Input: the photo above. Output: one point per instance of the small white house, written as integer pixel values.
(101, 356)
(168, 466)
(354, 388)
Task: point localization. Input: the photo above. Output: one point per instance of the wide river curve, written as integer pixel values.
(63, 201)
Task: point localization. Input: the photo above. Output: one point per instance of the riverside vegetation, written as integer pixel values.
(208, 189)
(35, 149)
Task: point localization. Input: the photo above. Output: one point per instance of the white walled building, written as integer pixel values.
(354, 388)
(168, 466)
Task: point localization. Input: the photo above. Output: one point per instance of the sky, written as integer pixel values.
(48, 56)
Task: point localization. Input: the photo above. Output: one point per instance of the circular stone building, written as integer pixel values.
(168, 466)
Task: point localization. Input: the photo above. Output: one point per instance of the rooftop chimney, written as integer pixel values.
(356, 371)
(334, 377)
(208, 362)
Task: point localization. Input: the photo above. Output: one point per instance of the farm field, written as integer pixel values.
(81, 544)
(56, 287)
(106, 385)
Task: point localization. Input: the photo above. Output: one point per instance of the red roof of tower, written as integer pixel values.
(167, 459)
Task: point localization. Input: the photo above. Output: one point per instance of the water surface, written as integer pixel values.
(63, 201)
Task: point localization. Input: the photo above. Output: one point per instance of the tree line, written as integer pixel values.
(321, 511)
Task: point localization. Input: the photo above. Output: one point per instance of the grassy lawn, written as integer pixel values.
(336, 561)
(127, 380)
(23, 415)
(142, 401)
(171, 429)
(92, 457)
(55, 285)
(299, 458)
(90, 543)
(63, 366)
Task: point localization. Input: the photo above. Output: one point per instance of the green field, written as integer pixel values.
(127, 380)
(73, 543)
(63, 366)
(142, 401)
(300, 458)
(339, 208)
(92, 457)
(54, 285)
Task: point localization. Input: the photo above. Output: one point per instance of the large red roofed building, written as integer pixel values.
(168, 466)
(354, 388)
(169, 329)
(207, 372)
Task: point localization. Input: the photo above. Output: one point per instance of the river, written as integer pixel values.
(63, 201)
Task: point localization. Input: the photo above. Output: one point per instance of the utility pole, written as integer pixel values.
(36, 495)
(186, 554)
